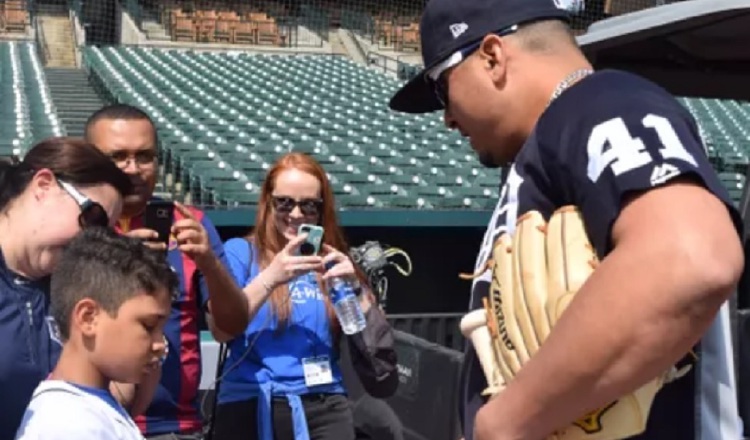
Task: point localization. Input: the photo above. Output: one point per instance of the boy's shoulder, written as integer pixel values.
(59, 410)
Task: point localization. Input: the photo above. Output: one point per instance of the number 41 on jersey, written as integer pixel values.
(626, 152)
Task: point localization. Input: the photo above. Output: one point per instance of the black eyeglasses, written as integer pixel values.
(286, 205)
(92, 213)
(140, 158)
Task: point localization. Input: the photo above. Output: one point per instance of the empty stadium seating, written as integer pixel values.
(225, 117)
(724, 126)
(27, 113)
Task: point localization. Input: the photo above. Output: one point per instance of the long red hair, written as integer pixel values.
(270, 241)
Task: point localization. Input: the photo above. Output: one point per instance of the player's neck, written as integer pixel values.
(75, 367)
(560, 71)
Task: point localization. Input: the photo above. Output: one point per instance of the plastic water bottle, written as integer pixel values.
(346, 305)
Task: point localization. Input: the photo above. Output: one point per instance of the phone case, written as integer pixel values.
(159, 217)
(312, 244)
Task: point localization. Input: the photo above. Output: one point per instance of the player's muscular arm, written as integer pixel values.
(676, 259)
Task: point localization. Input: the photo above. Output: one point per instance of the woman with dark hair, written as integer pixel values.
(284, 367)
(60, 186)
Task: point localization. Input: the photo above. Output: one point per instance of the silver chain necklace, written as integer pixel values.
(569, 81)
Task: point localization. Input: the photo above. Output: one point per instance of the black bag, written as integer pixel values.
(373, 355)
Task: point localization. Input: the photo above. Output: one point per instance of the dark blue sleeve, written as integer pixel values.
(623, 142)
(218, 249)
(239, 259)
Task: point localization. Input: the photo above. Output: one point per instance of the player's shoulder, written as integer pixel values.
(608, 94)
(601, 87)
(615, 107)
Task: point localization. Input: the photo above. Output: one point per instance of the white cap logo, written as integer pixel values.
(572, 6)
(457, 29)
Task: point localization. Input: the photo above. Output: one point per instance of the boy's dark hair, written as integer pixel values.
(119, 111)
(108, 268)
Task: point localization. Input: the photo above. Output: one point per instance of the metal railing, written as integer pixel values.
(392, 65)
(438, 328)
(42, 48)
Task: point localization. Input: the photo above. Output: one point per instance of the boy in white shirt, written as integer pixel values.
(110, 296)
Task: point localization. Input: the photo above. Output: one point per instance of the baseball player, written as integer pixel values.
(509, 76)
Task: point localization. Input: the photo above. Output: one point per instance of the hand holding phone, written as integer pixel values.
(159, 216)
(290, 263)
(149, 238)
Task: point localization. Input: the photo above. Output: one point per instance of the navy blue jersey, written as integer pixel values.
(609, 135)
(29, 344)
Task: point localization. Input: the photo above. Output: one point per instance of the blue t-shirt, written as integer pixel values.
(105, 395)
(29, 343)
(275, 357)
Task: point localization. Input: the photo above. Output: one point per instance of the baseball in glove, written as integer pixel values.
(535, 275)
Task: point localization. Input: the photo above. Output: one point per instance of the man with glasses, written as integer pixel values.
(196, 254)
(510, 77)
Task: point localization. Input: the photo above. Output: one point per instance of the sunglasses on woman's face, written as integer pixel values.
(92, 213)
(285, 205)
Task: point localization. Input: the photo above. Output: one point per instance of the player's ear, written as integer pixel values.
(493, 55)
(85, 316)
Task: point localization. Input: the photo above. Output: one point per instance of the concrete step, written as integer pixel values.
(58, 35)
(158, 37)
(79, 98)
(153, 29)
(151, 25)
(81, 113)
(74, 97)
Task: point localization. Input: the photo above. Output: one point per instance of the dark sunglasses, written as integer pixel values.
(286, 205)
(92, 213)
(440, 85)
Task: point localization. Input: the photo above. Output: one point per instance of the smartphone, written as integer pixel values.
(159, 216)
(311, 245)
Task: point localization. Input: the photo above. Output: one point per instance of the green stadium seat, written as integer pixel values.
(247, 109)
(406, 202)
(356, 201)
(15, 116)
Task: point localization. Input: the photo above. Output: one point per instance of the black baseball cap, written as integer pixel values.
(447, 26)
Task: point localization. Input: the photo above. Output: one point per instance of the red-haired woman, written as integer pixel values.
(284, 367)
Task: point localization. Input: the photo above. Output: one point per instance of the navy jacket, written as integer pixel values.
(29, 344)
